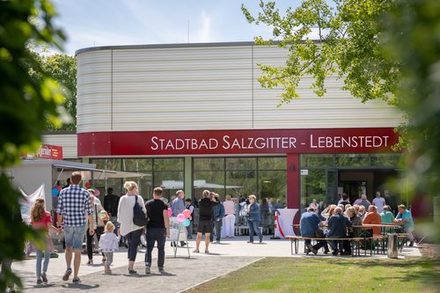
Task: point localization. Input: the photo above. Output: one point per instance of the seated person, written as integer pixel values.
(405, 218)
(387, 217)
(309, 227)
(373, 217)
(337, 225)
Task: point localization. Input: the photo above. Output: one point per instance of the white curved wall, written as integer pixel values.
(211, 86)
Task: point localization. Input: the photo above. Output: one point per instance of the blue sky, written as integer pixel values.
(89, 23)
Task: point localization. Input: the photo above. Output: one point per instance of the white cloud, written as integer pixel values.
(204, 33)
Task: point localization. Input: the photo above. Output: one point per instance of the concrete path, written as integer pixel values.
(181, 272)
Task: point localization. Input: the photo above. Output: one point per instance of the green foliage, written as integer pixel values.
(413, 36)
(62, 68)
(348, 45)
(25, 104)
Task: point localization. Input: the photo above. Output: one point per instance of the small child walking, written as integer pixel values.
(41, 220)
(108, 243)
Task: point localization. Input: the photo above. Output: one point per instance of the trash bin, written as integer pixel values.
(392, 245)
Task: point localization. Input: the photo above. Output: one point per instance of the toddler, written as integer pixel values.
(108, 243)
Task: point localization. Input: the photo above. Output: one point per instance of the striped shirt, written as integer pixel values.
(74, 205)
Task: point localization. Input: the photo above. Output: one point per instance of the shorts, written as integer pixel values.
(204, 226)
(74, 236)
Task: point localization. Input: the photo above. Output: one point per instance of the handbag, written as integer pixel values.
(139, 217)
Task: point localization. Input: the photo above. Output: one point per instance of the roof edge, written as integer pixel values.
(172, 45)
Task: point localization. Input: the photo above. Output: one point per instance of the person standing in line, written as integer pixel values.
(205, 221)
(41, 220)
(254, 219)
(73, 211)
(189, 206)
(379, 202)
(218, 212)
(178, 206)
(158, 228)
(108, 243)
(127, 228)
(97, 226)
(229, 219)
(111, 202)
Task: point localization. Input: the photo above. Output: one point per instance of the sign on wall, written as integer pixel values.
(207, 142)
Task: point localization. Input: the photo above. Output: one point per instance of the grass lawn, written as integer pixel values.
(330, 274)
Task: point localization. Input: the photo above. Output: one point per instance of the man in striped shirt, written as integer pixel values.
(73, 210)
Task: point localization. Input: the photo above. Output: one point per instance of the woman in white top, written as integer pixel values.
(127, 228)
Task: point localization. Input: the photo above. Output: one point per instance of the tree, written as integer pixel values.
(381, 49)
(25, 105)
(62, 68)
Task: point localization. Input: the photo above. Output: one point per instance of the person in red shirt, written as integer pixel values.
(373, 217)
(41, 220)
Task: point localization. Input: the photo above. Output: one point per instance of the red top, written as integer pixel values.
(44, 222)
(373, 218)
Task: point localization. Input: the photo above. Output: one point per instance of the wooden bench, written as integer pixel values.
(355, 243)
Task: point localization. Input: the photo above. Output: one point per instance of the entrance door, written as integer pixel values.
(354, 188)
(332, 185)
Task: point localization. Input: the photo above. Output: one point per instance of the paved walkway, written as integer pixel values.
(182, 273)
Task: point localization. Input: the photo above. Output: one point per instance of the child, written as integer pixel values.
(109, 243)
(40, 219)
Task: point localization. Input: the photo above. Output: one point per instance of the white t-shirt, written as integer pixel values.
(379, 202)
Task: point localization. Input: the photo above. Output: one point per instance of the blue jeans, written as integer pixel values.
(74, 236)
(153, 235)
(133, 240)
(254, 228)
(45, 263)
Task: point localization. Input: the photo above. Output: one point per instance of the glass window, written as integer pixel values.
(313, 186)
(211, 180)
(241, 163)
(385, 160)
(352, 160)
(170, 181)
(137, 165)
(272, 163)
(241, 183)
(317, 161)
(169, 164)
(272, 185)
(202, 164)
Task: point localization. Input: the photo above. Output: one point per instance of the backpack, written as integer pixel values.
(139, 217)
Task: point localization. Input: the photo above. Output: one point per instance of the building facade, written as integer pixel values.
(194, 117)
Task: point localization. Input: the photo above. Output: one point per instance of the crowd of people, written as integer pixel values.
(83, 218)
(344, 220)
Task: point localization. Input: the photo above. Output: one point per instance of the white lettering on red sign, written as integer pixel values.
(368, 141)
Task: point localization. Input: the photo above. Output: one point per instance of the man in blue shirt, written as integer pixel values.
(404, 217)
(309, 226)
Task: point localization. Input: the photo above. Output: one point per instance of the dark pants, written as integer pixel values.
(336, 245)
(254, 229)
(133, 239)
(99, 231)
(320, 244)
(153, 235)
(217, 229)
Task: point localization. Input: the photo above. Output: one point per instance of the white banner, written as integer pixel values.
(28, 201)
(284, 222)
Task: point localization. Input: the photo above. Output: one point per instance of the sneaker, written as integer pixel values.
(250, 242)
(76, 280)
(90, 262)
(147, 270)
(196, 251)
(132, 272)
(39, 281)
(161, 270)
(107, 270)
(44, 277)
(67, 274)
(206, 251)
